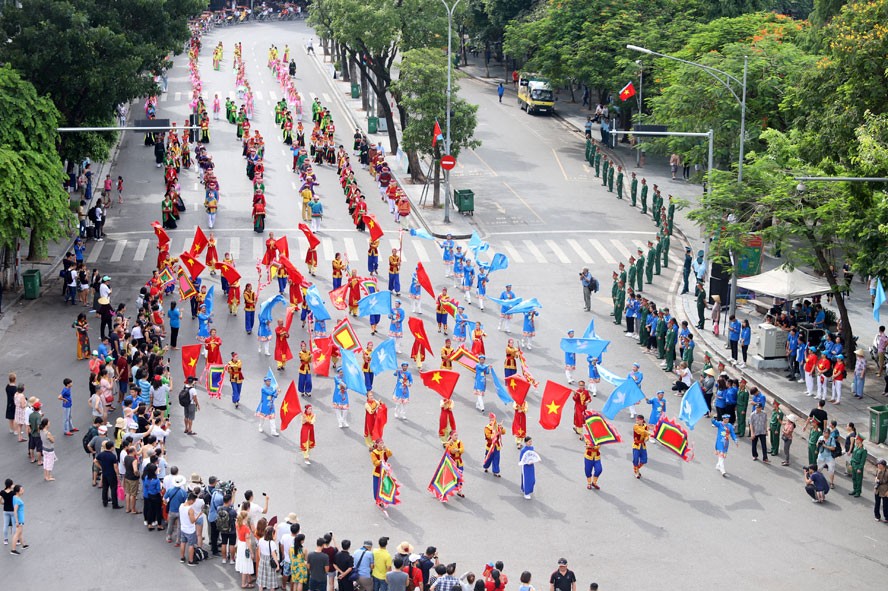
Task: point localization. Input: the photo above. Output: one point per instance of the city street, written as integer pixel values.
(540, 205)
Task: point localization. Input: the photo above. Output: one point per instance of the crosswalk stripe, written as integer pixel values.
(601, 250)
(95, 252)
(141, 249)
(584, 256)
(272, 96)
(327, 245)
(118, 251)
(394, 244)
(258, 247)
(421, 251)
(231, 94)
(558, 252)
(257, 95)
(312, 95)
(234, 248)
(534, 251)
(178, 96)
(186, 244)
(163, 97)
(327, 98)
(640, 244)
(350, 250)
(620, 249)
(512, 252)
(297, 251)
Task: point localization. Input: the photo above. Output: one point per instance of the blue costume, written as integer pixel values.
(468, 276)
(374, 320)
(658, 408)
(340, 395)
(529, 328)
(481, 284)
(415, 288)
(725, 430)
(481, 371)
(265, 409)
(447, 247)
(528, 471)
(459, 326)
(458, 258)
(403, 381)
(396, 327)
(203, 330)
(570, 360)
(506, 295)
(320, 328)
(264, 331)
(593, 368)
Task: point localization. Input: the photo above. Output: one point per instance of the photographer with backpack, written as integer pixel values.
(188, 401)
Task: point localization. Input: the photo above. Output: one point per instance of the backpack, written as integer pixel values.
(89, 437)
(200, 554)
(184, 397)
(837, 451)
(91, 214)
(595, 285)
(223, 521)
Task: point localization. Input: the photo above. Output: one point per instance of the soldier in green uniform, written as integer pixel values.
(815, 434)
(639, 274)
(688, 354)
(670, 214)
(657, 203)
(623, 273)
(649, 265)
(701, 304)
(658, 249)
(633, 189)
(598, 164)
(620, 302)
(605, 165)
(669, 344)
(742, 407)
(665, 251)
(858, 463)
(643, 332)
(619, 182)
(614, 288)
(630, 279)
(660, 332)
(775, 426)
(610, 178)
(644, 196)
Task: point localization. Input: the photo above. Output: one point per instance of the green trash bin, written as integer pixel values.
(878, 423)
(372, 124)
(32, 278)
(465, 201)
(356, 90)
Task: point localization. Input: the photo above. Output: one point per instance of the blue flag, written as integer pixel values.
(316, 304)
(590, 347)
(270, 376)
(477, 245)
(693, 406)
(208, 301)
(351, 372)
(499, 262)
(512, 302)
(384, 357)
(500, 388)
(880, 299)
(419, 233)
(610, 377)
(265, 310)
(626, 394)
(590, 330)
(379, 302)
(525, 306)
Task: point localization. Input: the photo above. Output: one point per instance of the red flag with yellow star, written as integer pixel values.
(190, 357)
(554, 397)
(423, 279)
(162, 236)
(229, 272)
(199, 243)
(313, 240)
(517, 388)
(442, 381)
(373, 226)
(290, 407)
(321, 351)
(339, 297)
(194, 266)
(282, 247)
(417, 328)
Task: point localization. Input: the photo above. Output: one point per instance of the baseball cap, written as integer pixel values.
(562, 561)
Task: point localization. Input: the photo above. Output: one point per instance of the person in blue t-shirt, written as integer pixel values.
(570, 361)
(175, 316)
(734, 337)
(67, 403)
(745, 339)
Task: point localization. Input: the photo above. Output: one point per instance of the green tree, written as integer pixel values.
(421, 94)
(31, 195)
(91, 55)
(825, 10)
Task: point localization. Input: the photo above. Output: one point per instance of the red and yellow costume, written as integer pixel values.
(307, 433)
(282, 352)
(446, 422)
(370, 410)
(519, 423)
(214, 350)
(581, 398)
(478, 341)
(234, 297)
(446, 362)
(354, 293)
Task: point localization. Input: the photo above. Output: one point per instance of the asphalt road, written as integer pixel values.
(536, 203)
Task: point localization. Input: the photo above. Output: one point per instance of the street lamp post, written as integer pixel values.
(450, 10)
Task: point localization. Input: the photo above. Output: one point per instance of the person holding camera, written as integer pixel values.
(815, 484)
(589, 285)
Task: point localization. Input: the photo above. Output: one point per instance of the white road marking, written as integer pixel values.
(118, 251)
(584, 256)
(257, 95)
(196, 185)
(639, 244)
(350, 250)
(258, 247)
(95, 252)
(141, 249)
(232, 94)
(187, 242)
(293, 184)
(234, 248)
(178, 96)
(421, 251)
(558, 252)
(623, 252)
(327, 246)
(327, 98)
(512, 252)
(312, 95)
(596, 244)
(163, 97)
(272, 96)
(534, 251)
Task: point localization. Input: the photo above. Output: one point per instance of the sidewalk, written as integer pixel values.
(428, 216)
(791, 395)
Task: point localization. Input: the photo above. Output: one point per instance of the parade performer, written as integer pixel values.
(482, 370)
(307, 433)
(394, 280)
(481, 284)
(373, 258)
(459, 259)
(371, 413)
(396, 326)
(478, 335)
(592, 464)
(282, 352)
(340, 404)
(447, 255)
(266, 409)
(658, 407)
(468, 279)
(418, 352)
(519, 423)
(441, 310)
(505, 322)
(415, 295)
(455, 448)
(213, 343)
(570, 361)
(446, 420)
(354, 293)
(212, 255)
(581, 399)
(304, 385)
(526, 460)
(403, 381)
(338, 266)
(203, 321)
(493, 439)
(311, 259)
(722, 443)
(366, 358)
(379, 455)
(594, 375)
(446, 355)
(460, 325)
(640, 436)
(529, 329)
(236, 377)
(510, 364)
(636, 376)
(249, 308)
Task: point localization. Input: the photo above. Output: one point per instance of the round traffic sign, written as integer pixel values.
(448, 162)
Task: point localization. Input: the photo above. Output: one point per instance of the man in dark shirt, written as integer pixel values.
(8, 520)
(816, 484)
(425, 563)
(318, 567)
(563, 579)
(344, 564)
(818, 413)
(106, 461)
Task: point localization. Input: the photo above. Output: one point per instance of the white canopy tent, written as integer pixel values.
(784, 283)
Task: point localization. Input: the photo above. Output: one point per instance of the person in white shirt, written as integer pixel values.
(256, 511)
(104, 288)
(171, 475)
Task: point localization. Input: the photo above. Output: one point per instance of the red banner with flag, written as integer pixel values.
(162, 236)
(373, 226)
(290, 407)
(517, 388)
(292, 272)
(321, 351)
(282, 247)
(199, 243)
(417, 328)
(339, 297)
(552, 404)
(194, 266)
(423, 279)
(436, 134)
(229, 272)
(628, 92)
(442, 381)
(190, 356)
(313, 240)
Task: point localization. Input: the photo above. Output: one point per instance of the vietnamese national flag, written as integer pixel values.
(417, 328)
(229, 272)
(162, 236)
(296, 297)
(442, 381)
(339, 297)
(554, 397)
(199, 243)
(293, 273)
(321, 351)
(436, 134)
(374, 227)
(313, 240)
(194, 266)
(282, 246)
(190, 356)
(518, 388)
(381, 420)
(290, 407)
(628, 92)
(424, 282)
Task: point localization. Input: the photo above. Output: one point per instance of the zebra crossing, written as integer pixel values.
(247, 250)
(270, 97)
